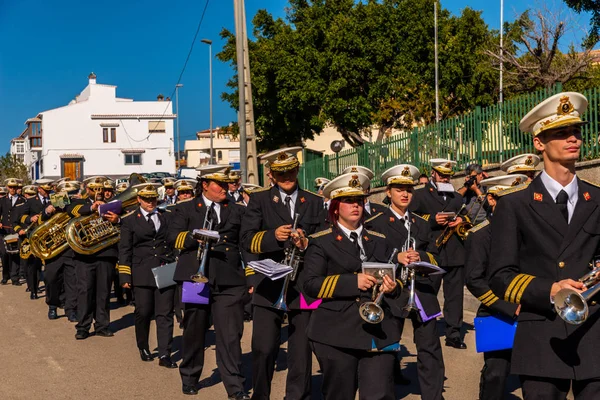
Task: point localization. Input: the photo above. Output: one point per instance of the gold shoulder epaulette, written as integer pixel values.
(258, 190)
(183, 201)
(591, 183)
(424, 217)
(311, 192)
(513, 189)
(381, 235)
(321, 233)
(479, 226)
(128, 214)
(373, 217)
(18, 205)
(240, 203)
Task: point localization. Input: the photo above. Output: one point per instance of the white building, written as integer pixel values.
(99, 133)
(226, 149)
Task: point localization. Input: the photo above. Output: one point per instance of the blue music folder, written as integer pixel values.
(494, 333)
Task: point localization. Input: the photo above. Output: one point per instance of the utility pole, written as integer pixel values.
(177, 162)
(437, 95)
(501, 98)
(212, 151)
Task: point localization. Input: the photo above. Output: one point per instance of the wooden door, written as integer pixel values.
(69, 170)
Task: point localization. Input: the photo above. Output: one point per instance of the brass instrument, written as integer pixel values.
(410, 243)
(90, 234)
(48, 240)
(371, 311)
(25, 249)
(572, 306)
(202, 254)
(462, 229)
(292, 260)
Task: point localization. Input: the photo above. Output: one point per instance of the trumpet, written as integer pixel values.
(571, 306)
(461, 229)
(291, 260)
(371, 311)
(409, 273)
(202, 254)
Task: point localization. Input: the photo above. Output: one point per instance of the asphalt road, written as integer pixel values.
(42, 359)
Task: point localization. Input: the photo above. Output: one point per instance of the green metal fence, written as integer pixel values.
(487, 135)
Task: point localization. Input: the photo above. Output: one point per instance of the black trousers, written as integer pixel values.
(4, 258)
(60, 277)
(535, 388)
(195, 325)
(159, 302)
(346, 370)
(495, 371)
(228, 319)
(430, 360)
(94, 278)
(34, 266)
(266, 340)
(454, 282)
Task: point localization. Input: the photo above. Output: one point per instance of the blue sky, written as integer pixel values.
(48, 48)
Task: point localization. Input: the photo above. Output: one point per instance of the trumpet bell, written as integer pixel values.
(371, 312)
(571, 306)
(199, 278)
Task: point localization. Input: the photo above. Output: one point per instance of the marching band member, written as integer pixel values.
(544, 237)
(169, 188)
(438, 196)
(142, 247)
(525, 164)
(265, 232)
(3, 192)
(8, 204)
(226, 281)
(478, 246)
(233, 190)
(59, 271)
(396, 223)
(342, 341)
(185, 189)
(94, 272)
(121, 187)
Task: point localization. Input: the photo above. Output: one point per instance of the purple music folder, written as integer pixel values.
(424, 317)
(195, 293)
(114, 206)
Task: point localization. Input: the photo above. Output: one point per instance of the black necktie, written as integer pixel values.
(151, 223)
(561, 201)
(354, 238)
(288, 204)
(212, 214)
(45, 201)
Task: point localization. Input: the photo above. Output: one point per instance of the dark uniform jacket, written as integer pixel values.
(223, 267)
(232, 198)
(22, 216)
(8, 213)
(478, 247)
(265, 213)
(142, 248)
(375, 209)
(533, 248)
(82, 207)
(332, 263)
(428, 202)
(396, 234)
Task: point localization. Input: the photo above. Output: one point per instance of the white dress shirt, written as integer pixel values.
(154, 218)
(405, 218)
(553, 188)
(217, 208)
(358, 231)
(293, 198)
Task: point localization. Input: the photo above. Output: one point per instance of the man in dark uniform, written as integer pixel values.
(8, 205)
(169, 185)
(397, 223)
(544, 238)
(478, 246)
(225, 276)
(95, 271)
(266, 231)
(436, 197)
(233, 190)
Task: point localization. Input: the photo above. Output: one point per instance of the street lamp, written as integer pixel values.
(209, 43)
(177, 112)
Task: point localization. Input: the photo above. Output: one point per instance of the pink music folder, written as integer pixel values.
(305, 306)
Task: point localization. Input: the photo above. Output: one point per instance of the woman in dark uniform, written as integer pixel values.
(348, 348)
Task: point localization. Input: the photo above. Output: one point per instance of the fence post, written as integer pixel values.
(478, 134)
(414, 142)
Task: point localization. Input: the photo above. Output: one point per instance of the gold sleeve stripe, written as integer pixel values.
(511, 286)
(513, 294)
(17, 228)
(519, 282)
(180, 240)
(332, 286)
(249, 271)
(324, 286)
(432, 259)
(400, 283)
(75, 211)
(485, 296)
(256, 242)
(24, 218)
(491, 300)
(523, 287)
(426, 217)
(124, 269)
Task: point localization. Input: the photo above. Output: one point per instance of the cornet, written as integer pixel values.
(371, 311)
(572, 306)
(409, 273)
(292, 260)
(202, 254)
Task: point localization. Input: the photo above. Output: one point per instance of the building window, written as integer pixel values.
(219, 155)
(133, 159)
(158, 162)
(113, 135)
(20, 147)
(156, 127)
(36, 142)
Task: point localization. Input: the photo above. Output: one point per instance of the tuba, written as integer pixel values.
(90, 234)
(25, 249)
(48, 240)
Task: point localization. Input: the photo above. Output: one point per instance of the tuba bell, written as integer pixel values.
(90, 234)
(48, 240)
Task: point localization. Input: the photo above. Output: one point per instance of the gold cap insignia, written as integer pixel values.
(282, 157)
(565, 107)
(516, 182)
(354, 169)
(406, 171)
(529, 160)
(448, 165)
(354, 182)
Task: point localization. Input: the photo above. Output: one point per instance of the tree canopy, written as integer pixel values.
(11, 167)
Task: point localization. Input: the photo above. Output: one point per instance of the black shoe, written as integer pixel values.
(17, 283)
(81, 334)
(27, 290)
(4, 282)
(105, 333)
(456, 343)
(33, 296)
(239, 396)
(72, 316)
(145, 355)
(52, 314)
(191, 390)
(165, 361)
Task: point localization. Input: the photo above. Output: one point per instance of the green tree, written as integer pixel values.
(592, 6)
(11, 167)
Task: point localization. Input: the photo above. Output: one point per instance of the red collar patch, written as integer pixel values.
(199, 204)
(302, 199)
(587, 196)
(339, 238)
(366, 238)
(431, 190)
(139, 215)
(392, 219)
(538, 197)
(276, 199)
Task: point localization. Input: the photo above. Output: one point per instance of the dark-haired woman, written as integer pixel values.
(348, 348)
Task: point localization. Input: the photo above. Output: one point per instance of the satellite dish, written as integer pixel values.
(337, 146)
